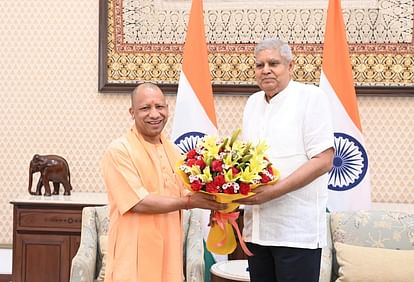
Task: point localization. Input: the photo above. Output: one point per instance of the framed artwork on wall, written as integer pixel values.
(142, 40)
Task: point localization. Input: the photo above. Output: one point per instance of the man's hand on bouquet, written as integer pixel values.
(203, 201)
(261, 195)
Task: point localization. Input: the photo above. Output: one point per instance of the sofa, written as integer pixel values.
(369, 245)
(366, 245)
(88, 265)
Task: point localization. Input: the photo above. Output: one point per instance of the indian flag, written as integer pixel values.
(194, 111)
(194, 114)
(349, 182)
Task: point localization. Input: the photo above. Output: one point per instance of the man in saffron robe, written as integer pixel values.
(146, 197)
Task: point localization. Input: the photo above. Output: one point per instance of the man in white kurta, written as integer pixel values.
(295, 124)
(295, 121)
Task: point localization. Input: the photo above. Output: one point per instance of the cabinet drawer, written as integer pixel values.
(49, 220)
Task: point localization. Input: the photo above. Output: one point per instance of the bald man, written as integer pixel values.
(146, 197)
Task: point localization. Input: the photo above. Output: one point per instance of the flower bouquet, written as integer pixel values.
(230, 169)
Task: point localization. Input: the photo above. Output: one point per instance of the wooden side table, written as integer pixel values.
(230, 271)
(46, 234)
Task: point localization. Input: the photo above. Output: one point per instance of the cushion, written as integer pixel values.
(366, 264)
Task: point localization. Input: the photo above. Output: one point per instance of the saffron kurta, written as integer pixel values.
(142, 247)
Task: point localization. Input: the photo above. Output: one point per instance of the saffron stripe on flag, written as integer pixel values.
(195, 60)
(336, 64)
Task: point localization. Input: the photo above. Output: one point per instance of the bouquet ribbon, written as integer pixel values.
(221, 219)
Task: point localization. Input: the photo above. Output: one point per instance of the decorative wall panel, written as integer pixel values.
(143, 40)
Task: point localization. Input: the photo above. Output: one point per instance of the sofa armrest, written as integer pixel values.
(84, 262)
(194, 246)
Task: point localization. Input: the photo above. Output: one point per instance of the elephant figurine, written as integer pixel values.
(52, 168)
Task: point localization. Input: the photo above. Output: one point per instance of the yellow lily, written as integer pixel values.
(247, 175)
(211, 147)
(260, 149)
(229, 177)
(229, 161)
(206, 176)
(195, 170)
(256, 164)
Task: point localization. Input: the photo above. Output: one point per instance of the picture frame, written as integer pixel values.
(387, 65)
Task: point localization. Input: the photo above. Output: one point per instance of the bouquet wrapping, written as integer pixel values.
(229, 169)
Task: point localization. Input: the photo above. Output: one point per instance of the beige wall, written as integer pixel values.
(50, 104)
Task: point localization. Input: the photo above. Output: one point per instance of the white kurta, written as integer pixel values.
(297, 125)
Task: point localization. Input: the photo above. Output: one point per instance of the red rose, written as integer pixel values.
(211, 187)
(244, 188)
(200, 163)
(217, 165)
(219, 180)
(230, 190)
(196, 185)
(191, 154)
(191, 162)
(264, 178)
(270, 169)
(234, 170)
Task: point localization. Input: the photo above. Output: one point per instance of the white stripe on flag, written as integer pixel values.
(359, 197)
(341, 119)
(189, 114)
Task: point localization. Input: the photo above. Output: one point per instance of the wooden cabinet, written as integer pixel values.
(46, 236)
